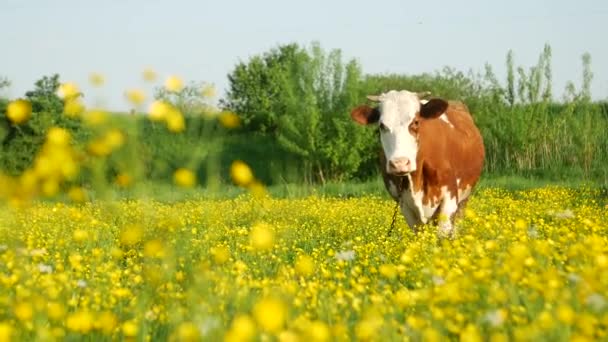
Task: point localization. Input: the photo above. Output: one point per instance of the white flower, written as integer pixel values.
(45, 268)
(345, 255)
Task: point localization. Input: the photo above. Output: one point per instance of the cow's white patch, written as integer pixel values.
(397, 111)
(443, 117)
(449, 206)
(412, 206)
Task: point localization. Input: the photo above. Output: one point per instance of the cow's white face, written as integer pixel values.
(398, 130)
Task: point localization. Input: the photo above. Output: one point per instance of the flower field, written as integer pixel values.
(526, 265)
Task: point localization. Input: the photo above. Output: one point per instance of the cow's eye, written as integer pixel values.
(383, 127)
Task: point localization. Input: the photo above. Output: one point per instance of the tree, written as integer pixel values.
(255, 86)
(194, 98)
(44, 97)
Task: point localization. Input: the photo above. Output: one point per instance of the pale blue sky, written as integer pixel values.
(203, 40)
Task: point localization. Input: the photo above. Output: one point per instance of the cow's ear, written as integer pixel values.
(433, 108)
(365, 115)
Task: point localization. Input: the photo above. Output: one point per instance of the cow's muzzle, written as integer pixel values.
(399, 166)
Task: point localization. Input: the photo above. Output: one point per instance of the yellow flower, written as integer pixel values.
(318, 331)
(123, 180)
(24, 311)
(55, 311)
(135, 96)
(388, 271)
(243, 327)
(270, 314)
(175, 121)
(106, 322)
(174, 84)
(208, 91)
(565, 314)
(184, 178)
(131, 235)
(58, 136)
(159, 110)
(19, 111)
(96, 79)
(95, 117)
(241, 173)
(305, 265)
(154, 249)
(68, 90)
(130, 329)
(470, 334)
(187, 332)
(261, 237)
(221, 254)
(114, 138)
(229, 120)
(6, 332)
(80, 235)
(80, 321)
(77, 194)
(149, 75)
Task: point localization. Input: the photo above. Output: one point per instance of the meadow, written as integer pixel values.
(527, 265)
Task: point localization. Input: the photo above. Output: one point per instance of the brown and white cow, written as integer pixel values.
(432, 154)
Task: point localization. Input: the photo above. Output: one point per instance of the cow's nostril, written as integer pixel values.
(399, 164)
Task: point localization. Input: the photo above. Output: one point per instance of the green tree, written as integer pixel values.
(255, 86)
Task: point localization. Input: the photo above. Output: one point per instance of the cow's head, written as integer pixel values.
(400, 116)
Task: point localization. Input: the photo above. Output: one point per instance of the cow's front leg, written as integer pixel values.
(411, 216)
(447, 211)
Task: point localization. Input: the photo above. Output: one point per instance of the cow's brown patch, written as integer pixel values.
(365, 115)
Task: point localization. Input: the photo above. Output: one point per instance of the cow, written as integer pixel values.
(431, 158)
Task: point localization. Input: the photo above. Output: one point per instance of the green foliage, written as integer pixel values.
(192, 99)
(44, 96)
(255, 86)
(20, 143)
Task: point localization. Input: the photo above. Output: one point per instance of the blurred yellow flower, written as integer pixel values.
(318, 331)
(123, 180)
(174, 84)
(184, 178)
(187, 332)
(96, 79)
(68, 90)
(24, 311)
(131, 235)
(208, 91)
(229, 120)
(149, 75)
(19, 111)
(175, 121)
(58, 136)
(270, 314)
(80, 321)
(261, 237)
(73, 107)
(135, 96)
(304, 265)
(130, 329)
(77, 194)
(55, 311)
(95, 117)
(221, 254)
(106, 322)
(241, 173)
(6, 332)
(159, 110)
(154, 249)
